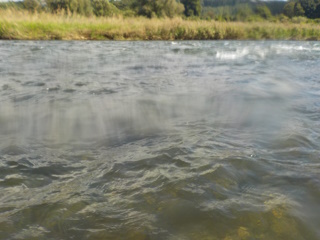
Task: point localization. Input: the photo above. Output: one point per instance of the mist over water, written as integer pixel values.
(159, 140)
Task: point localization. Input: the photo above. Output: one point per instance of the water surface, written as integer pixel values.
(159, 140)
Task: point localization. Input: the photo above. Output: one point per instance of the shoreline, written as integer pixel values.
(23, 25)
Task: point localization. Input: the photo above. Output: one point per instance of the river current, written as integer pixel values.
(160, 140)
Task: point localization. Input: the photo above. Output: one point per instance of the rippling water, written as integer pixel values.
(159, 140)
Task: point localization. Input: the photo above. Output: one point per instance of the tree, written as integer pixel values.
(103, 8)
(243, 11)
(84, 7)
(56, 5)
(263, 11)
(298, 10)
(317, 15)
(192, 7)
(158, 8)
(309, 7)
(288, 9)
(172, 8)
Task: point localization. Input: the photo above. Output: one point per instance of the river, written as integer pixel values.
(160, 140)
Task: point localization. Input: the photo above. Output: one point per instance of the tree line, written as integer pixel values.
(225, 10)
(306, 8)
(148, 8)
(244, 10)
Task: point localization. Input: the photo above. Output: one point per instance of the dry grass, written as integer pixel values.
(19, 24)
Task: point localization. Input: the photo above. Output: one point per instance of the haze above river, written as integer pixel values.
(160, 140)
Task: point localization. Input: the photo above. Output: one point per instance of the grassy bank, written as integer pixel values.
(19, 24)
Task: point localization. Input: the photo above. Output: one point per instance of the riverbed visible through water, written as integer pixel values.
(160, 140)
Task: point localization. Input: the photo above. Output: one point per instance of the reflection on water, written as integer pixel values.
(159, 140)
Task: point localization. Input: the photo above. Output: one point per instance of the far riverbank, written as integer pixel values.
(23, 25)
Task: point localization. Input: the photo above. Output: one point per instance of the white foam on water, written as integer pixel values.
(228, 55)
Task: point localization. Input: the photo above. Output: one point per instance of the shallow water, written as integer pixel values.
(159, 140)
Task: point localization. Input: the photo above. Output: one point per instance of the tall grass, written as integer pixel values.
(20, 24)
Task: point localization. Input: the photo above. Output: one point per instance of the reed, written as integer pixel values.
(20, 24)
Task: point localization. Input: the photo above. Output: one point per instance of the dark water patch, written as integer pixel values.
(152, 163)
(13, 150)
(69, 90)
(20, 164)
(11, 181)
(180, 213)
(157, 68)
(80, 84)
(26, 162)
(35, 49)
(175, 50)
(193, 51)
(6, 87)
(174, 151)
(54, 171)
(295, 141)
(49, 217)
(23, 98)
(138, 168)
(102, 91)
(79, 157)
(15, 74)
(33, 84)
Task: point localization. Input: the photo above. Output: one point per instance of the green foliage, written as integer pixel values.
(123, 5)
(240, 12)
(299, 19)
(298, 10)
(56, 5)
(221, 10)
(293, 9)
(288, 9)
(128, 8)
(173, 8)
(192, 7)
(223, 3)
(218, 13)
(275, 7)
(32, 5)
(243, 11)
(307, 8)
(104, 8)
(11, 5)
(158, 8)
(82, 7)
(263, 11)
(317, 13)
